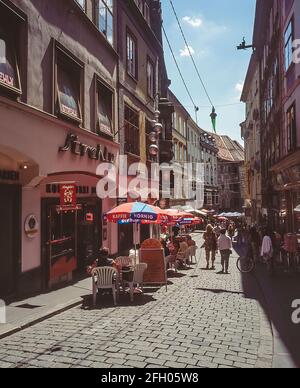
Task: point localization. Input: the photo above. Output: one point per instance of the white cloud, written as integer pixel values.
(239, 87)
(194, 22)
(186, 51)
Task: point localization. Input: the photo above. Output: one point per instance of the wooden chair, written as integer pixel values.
(105, 278)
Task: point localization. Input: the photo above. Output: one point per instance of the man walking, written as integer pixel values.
(225, 246)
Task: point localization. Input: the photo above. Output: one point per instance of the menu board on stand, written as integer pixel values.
(152, 253)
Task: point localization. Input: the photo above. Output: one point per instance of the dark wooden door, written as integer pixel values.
(9, 238)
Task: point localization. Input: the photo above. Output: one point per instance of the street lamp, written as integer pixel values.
(154, 136)
(153, 150)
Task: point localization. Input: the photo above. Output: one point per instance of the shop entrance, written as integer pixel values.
(71, 239)
(10, 227)
(89, 233)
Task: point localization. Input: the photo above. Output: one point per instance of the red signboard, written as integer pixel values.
(68, 196)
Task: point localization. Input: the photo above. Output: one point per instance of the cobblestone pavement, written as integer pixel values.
(203, 320)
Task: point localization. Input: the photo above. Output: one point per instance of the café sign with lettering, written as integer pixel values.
(96, 152)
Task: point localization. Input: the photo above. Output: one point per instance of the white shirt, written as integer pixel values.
(224, 242)
(267, 247)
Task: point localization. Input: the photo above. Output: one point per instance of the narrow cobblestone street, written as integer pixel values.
(203, 320)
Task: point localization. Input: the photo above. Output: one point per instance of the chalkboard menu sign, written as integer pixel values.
(152, 253)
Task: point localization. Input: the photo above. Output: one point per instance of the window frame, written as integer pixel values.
(291, 128)
(9, 39)
(288, 45)
(84, 8)
(70, 61)
(152, 93)
(147, 15)
(130, 35)
(97, 19)
(137, 128)
(99, 82)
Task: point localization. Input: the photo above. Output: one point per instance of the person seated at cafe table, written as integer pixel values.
(190, 241)
(103, 258)
(181, 254)
(171, 249)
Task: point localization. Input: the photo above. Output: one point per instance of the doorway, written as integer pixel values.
(10, 231)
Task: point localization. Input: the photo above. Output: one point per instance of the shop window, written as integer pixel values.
(132, 62)
(132, 133)
(105, 109)
(69, 74)
(105, 19)
(9, 66)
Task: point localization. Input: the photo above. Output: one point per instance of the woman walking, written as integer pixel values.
(267, 250)
(225, 248)
(210, 245)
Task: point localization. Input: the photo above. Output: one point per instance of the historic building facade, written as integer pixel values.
(231, 174)
(251, 135)
(277, 26)
(78, 86)
(192, 145)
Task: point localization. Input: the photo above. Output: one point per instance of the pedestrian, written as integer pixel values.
(218, 230)
(255, 241)
(267, 250)
(225, 248)
(190, 241)
(210, 245)
(231, 231)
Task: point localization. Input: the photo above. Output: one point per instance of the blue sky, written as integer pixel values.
(213, 29)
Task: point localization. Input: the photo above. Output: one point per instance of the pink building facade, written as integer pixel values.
(58, 109)
(78, 87)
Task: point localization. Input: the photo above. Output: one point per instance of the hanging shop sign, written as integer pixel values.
(31, 226)
(96, 152)
(12, 176)
(68, 197)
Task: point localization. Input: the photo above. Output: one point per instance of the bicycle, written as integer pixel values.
(246, 264)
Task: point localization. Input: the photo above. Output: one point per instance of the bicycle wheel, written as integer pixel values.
(245, 265)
